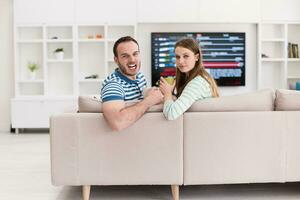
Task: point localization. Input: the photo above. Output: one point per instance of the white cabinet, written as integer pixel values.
(275, 68)
(35, 113)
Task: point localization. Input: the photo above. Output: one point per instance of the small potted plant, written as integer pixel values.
(32, 66)
(59, 53)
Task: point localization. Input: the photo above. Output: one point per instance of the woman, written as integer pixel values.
(192, 83)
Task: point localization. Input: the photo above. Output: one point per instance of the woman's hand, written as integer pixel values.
(166, 89)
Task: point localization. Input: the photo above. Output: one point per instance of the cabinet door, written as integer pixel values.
(29, 114)
(102, 11)
(42, 11)
(36, 113)
(167, 11)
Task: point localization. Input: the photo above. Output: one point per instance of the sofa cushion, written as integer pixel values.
(287, 100)
(92, 104)
(262, 100)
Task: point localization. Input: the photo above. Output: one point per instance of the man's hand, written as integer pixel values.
(153, 96)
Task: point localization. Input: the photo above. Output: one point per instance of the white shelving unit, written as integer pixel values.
(87, 52)
(277, 70)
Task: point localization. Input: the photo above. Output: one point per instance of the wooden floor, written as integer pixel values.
(25, 175)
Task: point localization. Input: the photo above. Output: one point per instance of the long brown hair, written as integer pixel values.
(182, 79)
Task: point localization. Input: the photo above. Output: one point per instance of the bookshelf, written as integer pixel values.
(275, 68)
(87, 52)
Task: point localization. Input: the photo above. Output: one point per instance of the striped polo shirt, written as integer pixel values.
(119, 87)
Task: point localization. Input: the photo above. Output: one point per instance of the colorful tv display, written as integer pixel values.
(223, 55)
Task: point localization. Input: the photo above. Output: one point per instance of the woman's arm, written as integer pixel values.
(195, 90)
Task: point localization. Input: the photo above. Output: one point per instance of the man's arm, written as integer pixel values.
(120, 117)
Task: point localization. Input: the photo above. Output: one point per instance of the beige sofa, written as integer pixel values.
(249, 138)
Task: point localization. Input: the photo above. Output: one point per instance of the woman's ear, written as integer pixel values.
(197, 56)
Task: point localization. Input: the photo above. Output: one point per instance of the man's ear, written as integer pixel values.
(116, 60)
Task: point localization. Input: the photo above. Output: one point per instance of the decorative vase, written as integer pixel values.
(59, 55)
(32, 75)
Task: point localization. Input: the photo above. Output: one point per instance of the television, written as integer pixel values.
(223, 55)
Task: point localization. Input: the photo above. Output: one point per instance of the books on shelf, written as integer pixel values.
(293, 50)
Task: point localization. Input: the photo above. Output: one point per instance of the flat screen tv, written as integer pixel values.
(223, 55)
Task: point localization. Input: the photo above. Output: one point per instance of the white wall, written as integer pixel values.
(144, 38)
(6, 62)
(281, 10)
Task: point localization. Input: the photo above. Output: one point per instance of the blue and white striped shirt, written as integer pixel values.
(119, 87)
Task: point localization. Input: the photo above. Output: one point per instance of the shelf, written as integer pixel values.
(84, 32)
(293, 77)
(67, 47)
(29, 33)
(30, 41)
(278, 71)
(294, 59)
(91, 40)
(60, 79)
(273, 49)
(272, 59)
(60, 61)
(31, 81)
(91, 80)
(273, 30)
(58, 40)
(60, 32)
(88, 50)
(273, 40)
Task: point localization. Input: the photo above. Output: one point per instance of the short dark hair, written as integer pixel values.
(121, 40)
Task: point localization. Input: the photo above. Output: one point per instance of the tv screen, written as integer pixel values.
(223, 55)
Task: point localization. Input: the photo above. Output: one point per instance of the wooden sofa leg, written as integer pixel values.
(175, 192)
(86, 192)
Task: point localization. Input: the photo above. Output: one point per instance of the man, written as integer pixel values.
(126, 83)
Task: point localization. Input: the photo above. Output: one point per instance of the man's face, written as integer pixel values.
(128, 59)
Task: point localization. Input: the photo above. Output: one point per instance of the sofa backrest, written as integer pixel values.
(262, 100)
(287, 100)
(91, 104)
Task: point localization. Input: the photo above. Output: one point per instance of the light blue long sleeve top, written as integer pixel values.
(197, 89)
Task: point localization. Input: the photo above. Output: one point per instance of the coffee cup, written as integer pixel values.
(170, 79)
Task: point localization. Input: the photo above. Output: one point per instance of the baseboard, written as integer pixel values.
(5, 126)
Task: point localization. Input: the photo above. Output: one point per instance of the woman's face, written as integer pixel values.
(185, 59)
